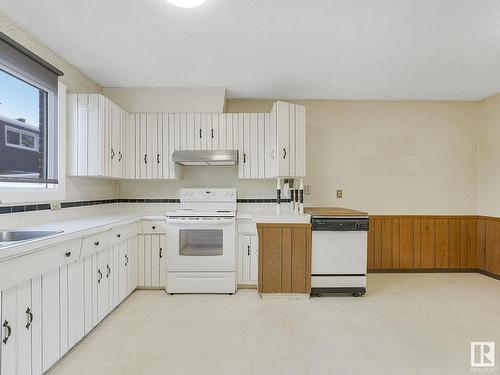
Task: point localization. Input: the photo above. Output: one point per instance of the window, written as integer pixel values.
(30, 154)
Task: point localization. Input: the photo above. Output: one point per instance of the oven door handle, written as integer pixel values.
(201, 222)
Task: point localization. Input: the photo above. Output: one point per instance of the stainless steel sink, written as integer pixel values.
(8, 237)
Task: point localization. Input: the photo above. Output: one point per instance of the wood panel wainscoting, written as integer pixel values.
(434, 243)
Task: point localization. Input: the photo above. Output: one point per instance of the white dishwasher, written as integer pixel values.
(339, 254)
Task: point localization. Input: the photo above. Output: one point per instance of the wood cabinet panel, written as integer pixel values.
(284, 258)
(406, 244)
(386, 243)
(427, 234)
(442, 244)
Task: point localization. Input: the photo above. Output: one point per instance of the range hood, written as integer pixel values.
(206, 157)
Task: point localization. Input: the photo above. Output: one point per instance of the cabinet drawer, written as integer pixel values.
(125, 232)
(25, 267)
(97, 242)
(151, 227)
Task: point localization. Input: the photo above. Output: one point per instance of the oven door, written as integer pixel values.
(202, 244)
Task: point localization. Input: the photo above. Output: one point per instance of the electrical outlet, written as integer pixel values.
(55, 206)
(339, 193)
(307, 189)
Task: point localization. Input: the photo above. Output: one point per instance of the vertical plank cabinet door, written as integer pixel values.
(165, 147)
(270, 145)
(82, 134)
(129, 156)
(190, 128)
(63, 310)
(254, 260)
(213, 135)
(114, 276)
(90, 276)
(8, 360)
(105, 135)
(240, 144)
(254, 145)
(123, 271)
(202, 133)
(300, 141)
(158, 160)
(151, 145)
(76, 302)
(95, 146)
(200, 122)
(144, 158)
(292, 140)
(230, 140)
(24, 314)
(270, 247)
(283, 138)
(140, 260)
(184, 133)
(171, 141)
(50, 319)
(155, 260)
(115, 140)
(36, 326)
(245, 249)
(163, 259)
(261, 144)
(72, 134)
(247, 134)
(131, 264)
(220, 140)
(102, 284)
(148, 257)
(122, 153)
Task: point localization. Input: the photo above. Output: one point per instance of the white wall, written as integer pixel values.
(196, 177)
(388, 157)
(167, 99)
(488, 163)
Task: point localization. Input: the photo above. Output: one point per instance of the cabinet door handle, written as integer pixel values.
(244, 158)
(161, 252)
(272, 154)
(212, 133)
(100, 276)
(118, 235)
(158, 158)
(30, 318)
(145, 158)
(284, 153)
(200, 133)
(126, 259)
(112, 154)
(153, 227)
(68, 254)
(96, 243)
(9, 331)
(248, 250)
(109, 270)
(120, 156)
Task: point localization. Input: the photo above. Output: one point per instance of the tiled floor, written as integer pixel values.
(406, 324)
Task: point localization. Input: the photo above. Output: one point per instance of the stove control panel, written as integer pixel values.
(208, 195)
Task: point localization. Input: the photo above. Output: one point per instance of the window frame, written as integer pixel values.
(36, 144)
(55, 130)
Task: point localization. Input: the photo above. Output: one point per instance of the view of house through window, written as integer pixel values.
(23, 129)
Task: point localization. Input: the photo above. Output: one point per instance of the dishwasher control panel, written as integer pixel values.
(334, 224)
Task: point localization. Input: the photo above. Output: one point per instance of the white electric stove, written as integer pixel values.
(201, 239)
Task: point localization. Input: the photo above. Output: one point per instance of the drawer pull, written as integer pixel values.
(100, 276)
(109, 270)
(126, 258)
(30, 318)
(118, 235)
(96, 243)
(248, 250)
(161, 252)
(9, 331)
(154, 227)
(68, 254)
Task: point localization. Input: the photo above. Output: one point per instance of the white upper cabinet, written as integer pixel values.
(106, 141)
(288, 153)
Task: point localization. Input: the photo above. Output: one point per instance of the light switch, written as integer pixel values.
(307, 189)
(339, 193)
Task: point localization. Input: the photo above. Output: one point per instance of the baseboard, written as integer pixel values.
(425, 270)
(490, 274)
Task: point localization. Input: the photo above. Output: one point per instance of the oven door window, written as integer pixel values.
(201, 242)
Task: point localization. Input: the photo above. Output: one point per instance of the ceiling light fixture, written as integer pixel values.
(186, 3)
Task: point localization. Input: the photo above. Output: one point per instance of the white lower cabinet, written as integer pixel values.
(43, 318)
(151, 261)
(249, 263)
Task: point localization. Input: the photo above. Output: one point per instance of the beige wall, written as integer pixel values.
(388, 157)
(488, 162)
(75, 81)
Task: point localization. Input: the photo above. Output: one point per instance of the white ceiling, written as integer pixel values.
(332, 49)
